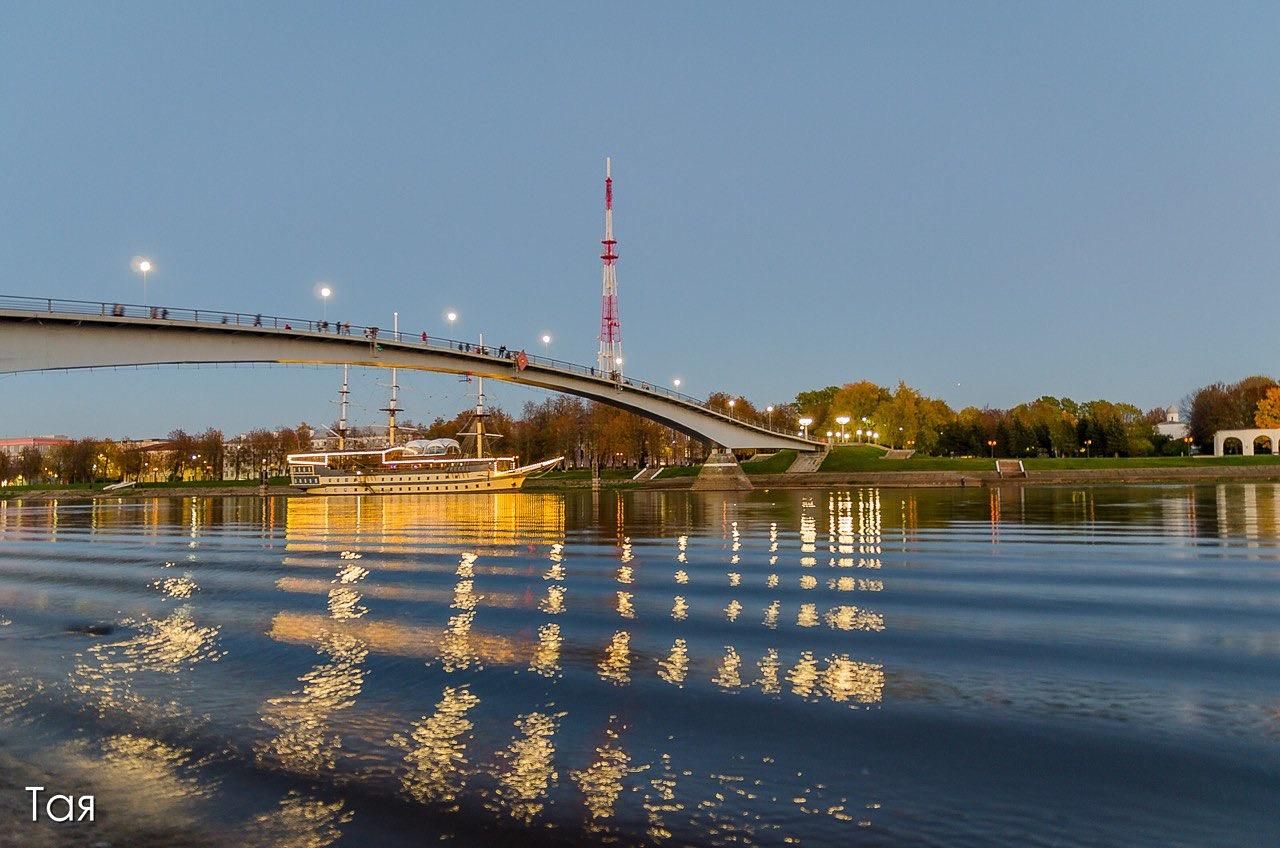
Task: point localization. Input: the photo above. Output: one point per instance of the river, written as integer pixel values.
(953, 667)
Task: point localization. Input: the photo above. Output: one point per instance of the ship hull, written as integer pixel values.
(327, 482)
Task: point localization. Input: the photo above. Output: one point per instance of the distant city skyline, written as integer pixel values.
(991, 202)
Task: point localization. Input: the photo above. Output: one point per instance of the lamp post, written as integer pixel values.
(769, 409)
(676, 383)
(991, 443)
(1088, 448)
(842, 420)
(732, 401)
(1187, 441)
(143, 266)
(900, 437)
(451, 316)
(804, 427)
(546, 345)
(325, 291)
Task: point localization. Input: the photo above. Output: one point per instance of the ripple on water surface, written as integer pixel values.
(867, 666)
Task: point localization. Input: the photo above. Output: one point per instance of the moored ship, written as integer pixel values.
(419, 466)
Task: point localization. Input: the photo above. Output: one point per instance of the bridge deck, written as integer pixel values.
(64, 334)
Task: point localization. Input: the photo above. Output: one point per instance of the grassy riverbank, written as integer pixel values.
(864, 458)
(187, 488)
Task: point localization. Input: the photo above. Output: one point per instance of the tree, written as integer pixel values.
(1210, 409)
(1267, 413)
(182, 446)
(31, 464)
(816, 404)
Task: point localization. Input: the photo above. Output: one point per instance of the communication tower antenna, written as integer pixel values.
(609, 359)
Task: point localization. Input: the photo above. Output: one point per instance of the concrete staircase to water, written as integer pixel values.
(806, 463)
(1010, 468)
(721, 473)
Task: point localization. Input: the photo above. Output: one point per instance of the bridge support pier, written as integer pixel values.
(721, 473)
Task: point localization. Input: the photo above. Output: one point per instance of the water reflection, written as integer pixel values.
(436, 763)
(615, 667)
(304, 742)
(546, 656)
(407, 639)
(301, 821)
(527, 768)
(674, 668)
(729, 674)
(601, 782)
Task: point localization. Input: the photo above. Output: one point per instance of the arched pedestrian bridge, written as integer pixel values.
(39, 334)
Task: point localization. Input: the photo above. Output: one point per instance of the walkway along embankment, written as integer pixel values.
(813, 480)
(1074, 477)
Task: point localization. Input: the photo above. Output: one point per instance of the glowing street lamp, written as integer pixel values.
(676, 383)
(143, 266)
(991, 443)
(769, 409)
(325, 292)
(546, 344)
(732, 401)
(804, 426)
(859, 433)
(842, 420)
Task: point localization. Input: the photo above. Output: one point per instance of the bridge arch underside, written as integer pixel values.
(54, 345)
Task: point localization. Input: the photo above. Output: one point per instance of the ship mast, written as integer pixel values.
(480, 413)
(342, 410)
(391, 408)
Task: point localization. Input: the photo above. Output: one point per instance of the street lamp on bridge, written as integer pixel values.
(325, 291)
(143, 266)
(546, 345)
(769, 410)
(804, 426)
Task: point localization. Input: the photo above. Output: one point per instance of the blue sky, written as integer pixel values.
(990, 201)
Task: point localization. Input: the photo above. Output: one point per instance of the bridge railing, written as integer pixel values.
(374, 335)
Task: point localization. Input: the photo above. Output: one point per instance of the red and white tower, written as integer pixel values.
(610, 358)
